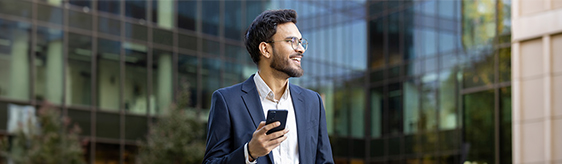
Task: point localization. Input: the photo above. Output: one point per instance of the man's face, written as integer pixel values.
(285, 58)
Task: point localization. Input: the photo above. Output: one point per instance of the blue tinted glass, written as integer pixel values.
(48, 13)
(233, 20)
(135, 9)
(210, 17)
(110, 6)
(187, 11)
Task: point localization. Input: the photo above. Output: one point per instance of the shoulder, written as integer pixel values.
(229, 91)
(304, 91)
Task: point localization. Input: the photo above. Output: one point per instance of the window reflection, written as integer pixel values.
(210, 17)
(187, 13)
(186, 94)
(211, 79)
(233, 20)
(48, 13)
(110, 6)
(79, 19)
(108, 74)
(357, 109)
(14, 59)
(136, 127)
(232, 73)
(109, 26)
(135, 9)
(377, 104)
(83, 3)
(107, 153)
(163, 37)
(394, 40)
(16, 8)
(135, 88)
(505, 125)
(82, 119)
(49, 65)
(108, 125)
(162, 13)
(79, 70)
(162, 69)
(428, 112)
(136, 31)
(447, 100)
(411, 107)
(393, 123)
(377, 44)
(479, 126)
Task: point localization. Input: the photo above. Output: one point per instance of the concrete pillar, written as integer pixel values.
(165, 14)
(164, 88)
(19, 69)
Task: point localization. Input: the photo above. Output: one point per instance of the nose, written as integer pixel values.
(300, 48)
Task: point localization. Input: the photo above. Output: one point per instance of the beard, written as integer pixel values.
(284, 65)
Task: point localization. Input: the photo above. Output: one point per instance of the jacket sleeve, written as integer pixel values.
(219, 140)
(324, 150)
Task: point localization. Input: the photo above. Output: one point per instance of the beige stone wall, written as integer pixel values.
(537, 81)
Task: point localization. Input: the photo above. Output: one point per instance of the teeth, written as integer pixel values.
(298, 59)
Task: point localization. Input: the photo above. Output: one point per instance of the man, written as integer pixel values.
(236, 130)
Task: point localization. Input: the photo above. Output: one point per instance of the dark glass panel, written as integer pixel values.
(187, 13)
(110, 6)
(392, 124)
(109, 26)
(210, 17)
(505, 126)
(130, 154)
(136, 127)
(187, 80)
(16, 8)
(136, 31)
(48, 13)
(236, 53)
(107, 153)
(253, 9)
(394, 146)
(49, 65)
(505, 64)
(233, 28)
(449, 140)
(211, 47)
(82, 119)
(187, 42)
(108, 74)
(394, 40)
(479, 126)
(211, 79)
(340, 146)
(232, 73)
(377, 7)
(108, 125)
(79, 19)
(15, 41)
(357, 148)
(3, 115)
(341, 110)
(164, 37)
(479, 72)
(377, 107)
(377, 76)
(79, 70)
(136, 73)
(162, 80)
(409, 34)
(378, 147)
(135, 9)
(377, 44)
(82, 3)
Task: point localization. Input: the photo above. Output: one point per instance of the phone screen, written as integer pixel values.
(276, 115)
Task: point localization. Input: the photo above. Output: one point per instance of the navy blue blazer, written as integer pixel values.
(236, 112)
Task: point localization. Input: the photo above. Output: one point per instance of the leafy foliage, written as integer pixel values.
(52, 142)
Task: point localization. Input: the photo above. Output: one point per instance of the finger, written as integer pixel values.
(277, 134)
(276, 142)
(270, 126)
(261, 125)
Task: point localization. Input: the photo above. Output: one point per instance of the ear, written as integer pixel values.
(264, 50)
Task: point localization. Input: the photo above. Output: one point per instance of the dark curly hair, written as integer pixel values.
(264, 27)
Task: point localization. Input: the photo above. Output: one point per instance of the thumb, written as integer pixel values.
(262, 124)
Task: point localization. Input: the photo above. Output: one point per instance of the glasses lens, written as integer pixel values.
(303, 43)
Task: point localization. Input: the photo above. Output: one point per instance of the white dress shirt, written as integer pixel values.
(287, 151)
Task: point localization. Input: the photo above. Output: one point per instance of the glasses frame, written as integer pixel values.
(303, 42)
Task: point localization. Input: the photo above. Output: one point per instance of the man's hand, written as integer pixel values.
(261, 143)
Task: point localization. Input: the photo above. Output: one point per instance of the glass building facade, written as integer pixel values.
(409, 81)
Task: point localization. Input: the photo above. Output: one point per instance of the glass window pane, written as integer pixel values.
(253, 9)
(108, 125)
(233, 20)
(187, 13)
(80, 19)
(211, 79)
(136, 127)
(505, 64)
(48, 13)
(358, 147)
(357, 107)
(377, 43)
(479, 72)
(505, 125)
(131, 152)
(211, 47)
(14, 59)
(187, 81)
(394, 145)
(187, 42)
(136, 31)
(377, 106)
(82, 119)
(49, 65)
(16, 8)
(449, 140)
(428, 112)
(162, 13)
(236, 53)
(109, 26)
(3, 115)
(210, 17)
(393, 35)
(107, 153)
(135, 9)
(83, 3)
(411, 107)
(447, 100)
(162, 80)
(394, 116)
(110, 6)
(378, 147)
(108, 78)
(135, 87)
(232, 73)
(479, 126)
(164, 37)
(79, 70)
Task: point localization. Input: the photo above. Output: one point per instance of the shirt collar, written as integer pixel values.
(265, 92)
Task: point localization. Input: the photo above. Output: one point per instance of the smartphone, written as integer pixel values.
(276, 115)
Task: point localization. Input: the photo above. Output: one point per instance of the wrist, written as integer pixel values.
(250, 154)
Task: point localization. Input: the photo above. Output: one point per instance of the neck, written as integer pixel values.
(275, 82)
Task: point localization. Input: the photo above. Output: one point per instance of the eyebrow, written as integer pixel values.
(291, 37)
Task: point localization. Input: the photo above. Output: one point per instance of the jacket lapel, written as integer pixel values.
(300, 117)
(253, 104)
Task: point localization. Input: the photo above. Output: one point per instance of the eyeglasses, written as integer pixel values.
(294, 42)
